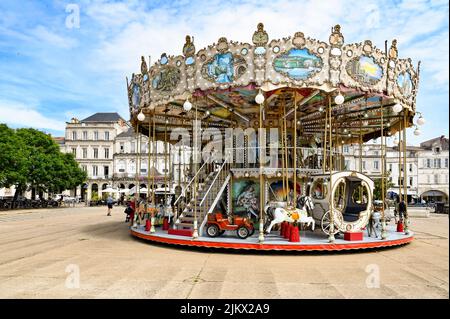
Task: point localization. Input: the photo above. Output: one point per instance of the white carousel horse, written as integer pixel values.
(291, 214)
(166, 210)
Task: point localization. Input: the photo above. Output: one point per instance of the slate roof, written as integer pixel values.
(103, 117)
(127, 133)
(442, 139)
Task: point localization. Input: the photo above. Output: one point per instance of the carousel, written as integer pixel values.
(264, 125)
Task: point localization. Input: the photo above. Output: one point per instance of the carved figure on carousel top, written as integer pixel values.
(393, 52)
(144, 69)
(299, 40)
(260, 37)
(189, 47)
(336, 37)
(367, 47)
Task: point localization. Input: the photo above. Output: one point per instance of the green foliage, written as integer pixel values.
(94, 196)
(377, 188)
(29, 157)
(12, 158)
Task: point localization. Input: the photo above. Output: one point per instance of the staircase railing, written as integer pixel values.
(213, 193)
(183, 193)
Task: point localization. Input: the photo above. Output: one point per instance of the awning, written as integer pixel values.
(408, 191)
(434, 193)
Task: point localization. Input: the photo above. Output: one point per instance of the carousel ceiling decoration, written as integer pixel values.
(227, 76)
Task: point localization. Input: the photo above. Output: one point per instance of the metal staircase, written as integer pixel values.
(205, 200)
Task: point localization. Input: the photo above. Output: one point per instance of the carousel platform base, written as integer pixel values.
(309, 241)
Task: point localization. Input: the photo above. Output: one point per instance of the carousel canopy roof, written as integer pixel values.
(222, 80)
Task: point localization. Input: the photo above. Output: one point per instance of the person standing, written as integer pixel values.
(109, 202)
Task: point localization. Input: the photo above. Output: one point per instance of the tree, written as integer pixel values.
(12, 159)
(39, 164)
(377, 187)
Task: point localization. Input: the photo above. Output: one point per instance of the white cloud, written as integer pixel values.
(18, 114)
(50, 38)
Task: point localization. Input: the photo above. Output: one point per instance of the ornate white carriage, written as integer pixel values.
(352, 194)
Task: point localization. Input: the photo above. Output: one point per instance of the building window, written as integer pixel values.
(132, 167)
(390, 167)
(74, 151)
(85, 136)
(74, 135)
(375, 153)
(84, 168)
(410, 181)
(95, 152)
(410, 167)
(437, 163)
(94, 170)
(95, 135)
(428, 163)
(106, 136)
(122, 147)
(436, 179)
(106, 171)
(347, 164)
(84, 152)
(144, 167)
(346, 149)
(446, 163)
(121, 166)
(133, 147)
(364, 164)
(437, 150)
(106, 152)
(375, 165)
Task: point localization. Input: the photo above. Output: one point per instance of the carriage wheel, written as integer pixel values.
(325, 224)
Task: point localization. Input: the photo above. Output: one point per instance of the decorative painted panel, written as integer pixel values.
(298, 64)
(364, 70)
(405, 84)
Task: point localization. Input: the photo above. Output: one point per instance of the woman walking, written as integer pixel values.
(109, 202)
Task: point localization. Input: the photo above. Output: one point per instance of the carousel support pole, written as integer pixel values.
(295, 150)
(152, 228)
(383, 219)
(400, 171)
(324, 142)
(195, 232)
(261, 179)
(138, 164)
(137, 180)
(331, 238)
(405, 174)
(360, 145)
(149, 150)
(286, 169)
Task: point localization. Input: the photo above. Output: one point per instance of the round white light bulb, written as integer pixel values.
(417, 132)
(339, 99)
(397, 108)
(187, 106)
(259, 98)
(421, 120)
(141, 116)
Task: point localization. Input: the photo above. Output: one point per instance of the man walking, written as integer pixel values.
(109, 202)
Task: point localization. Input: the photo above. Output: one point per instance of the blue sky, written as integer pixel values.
(50, 72)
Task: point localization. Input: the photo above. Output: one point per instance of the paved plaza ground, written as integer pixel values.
(37, 247)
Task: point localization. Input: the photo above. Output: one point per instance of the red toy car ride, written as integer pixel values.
(217, 225)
